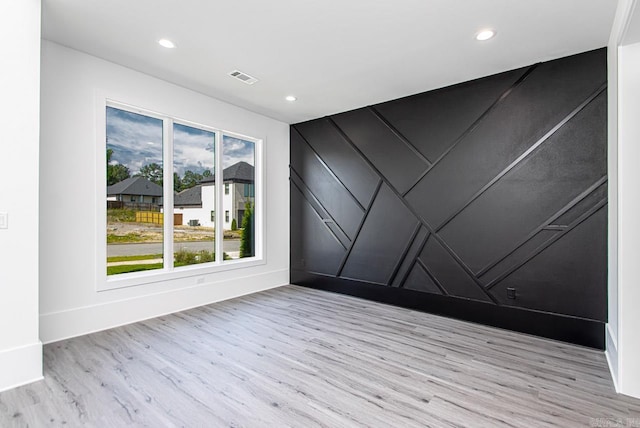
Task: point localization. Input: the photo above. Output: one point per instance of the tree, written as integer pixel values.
(152, 172)
(177, 183)
(116, 172)
(246, 242)
(190, 179)
(234, 224)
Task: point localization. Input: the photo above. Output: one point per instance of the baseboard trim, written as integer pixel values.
(75, 322)
(20, 366)
(564, 328)
(611, 353)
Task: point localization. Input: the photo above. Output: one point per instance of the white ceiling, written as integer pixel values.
(334, 55)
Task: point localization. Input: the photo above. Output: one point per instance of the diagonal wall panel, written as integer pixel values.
(379, 246)
(391, 156)
(434, 120)
(541, 185)
(334, 197)
(324, 252)
(449, 274)
(576, 271)
(419, 280)
(550, 93)
(462, 193)
(345, 162)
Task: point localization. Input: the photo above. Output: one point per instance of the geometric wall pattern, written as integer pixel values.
(487, 190)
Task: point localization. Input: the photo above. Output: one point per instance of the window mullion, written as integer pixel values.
(167, 179)
(219, 188)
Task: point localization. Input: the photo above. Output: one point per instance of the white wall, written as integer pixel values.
(629, 219)
(20, 348)
(69, 302)
(612, 170)
(623, 341)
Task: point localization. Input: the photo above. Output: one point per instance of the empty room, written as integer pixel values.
(417, 213)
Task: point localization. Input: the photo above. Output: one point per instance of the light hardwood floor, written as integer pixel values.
(305, 358)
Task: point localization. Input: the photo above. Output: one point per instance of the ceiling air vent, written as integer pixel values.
(243, 77)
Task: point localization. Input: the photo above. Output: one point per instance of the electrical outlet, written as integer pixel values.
(511, 293)
(4, 220)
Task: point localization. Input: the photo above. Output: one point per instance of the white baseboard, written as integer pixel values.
(20, 366)
(90, 319)
(611, 353)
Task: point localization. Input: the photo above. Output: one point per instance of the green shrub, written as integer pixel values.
(234, 224)
(184, 257)
(246, 242)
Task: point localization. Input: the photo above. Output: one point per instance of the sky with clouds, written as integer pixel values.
(136, 140)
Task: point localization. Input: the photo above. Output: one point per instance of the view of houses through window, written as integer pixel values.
(135, 210)
(238, 160)
(193, 161)
(134, 189)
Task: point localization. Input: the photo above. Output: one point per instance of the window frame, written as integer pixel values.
(106, 282)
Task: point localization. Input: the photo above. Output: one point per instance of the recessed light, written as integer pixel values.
(290, 98)
(485, 35)
(166, 43)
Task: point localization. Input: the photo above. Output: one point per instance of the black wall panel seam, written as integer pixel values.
(432, 276)
(548, 243)
(322, 220)
(404, 253)
(465, 267)
(398, 134)
(544, 225)
(413, 262)
(329, 170)
(524, 155)
(380, 175)
(355, 238)
(306, 191)
(472, 127)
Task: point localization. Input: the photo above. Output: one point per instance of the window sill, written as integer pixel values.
(160, 275)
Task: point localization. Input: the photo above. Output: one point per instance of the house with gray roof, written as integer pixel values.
(135, 190)
(197, 204)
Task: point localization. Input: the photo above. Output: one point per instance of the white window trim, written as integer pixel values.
(168, 272)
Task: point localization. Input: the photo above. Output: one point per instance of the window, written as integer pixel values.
(193, 182)
(134, 157)
(239, 160)
(163, 219)
(248, 190)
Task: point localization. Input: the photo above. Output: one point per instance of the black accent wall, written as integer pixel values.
(484, 201)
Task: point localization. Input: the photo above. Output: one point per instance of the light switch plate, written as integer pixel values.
(4, 220)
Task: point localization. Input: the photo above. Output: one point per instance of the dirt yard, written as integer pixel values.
(144, 232)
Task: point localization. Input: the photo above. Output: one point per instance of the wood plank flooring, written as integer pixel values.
(297, 357)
